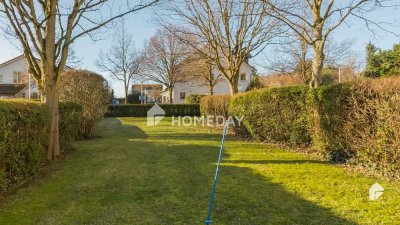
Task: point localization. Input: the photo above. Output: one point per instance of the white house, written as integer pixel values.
(184, 89)
(15, 81)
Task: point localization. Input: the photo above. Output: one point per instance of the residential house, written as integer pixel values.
(196, 86)
(15, 81)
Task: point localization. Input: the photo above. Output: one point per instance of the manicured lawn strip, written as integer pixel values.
(163, 175)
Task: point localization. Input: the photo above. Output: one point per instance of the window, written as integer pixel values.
(182, 95)
(243, 76)
(20, 77)
(1, 78)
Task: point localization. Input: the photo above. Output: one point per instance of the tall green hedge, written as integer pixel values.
(276, 115)
(24, 137)
(353, 122)
(328, 115)
(140, 110)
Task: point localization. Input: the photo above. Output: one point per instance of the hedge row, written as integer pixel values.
(140, 110)
(274, 115)
(215, 105)
(24, 137)
(356, 122)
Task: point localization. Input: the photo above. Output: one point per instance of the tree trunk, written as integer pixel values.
(211, 89)
(126, 95)
(317, 64)
(170, 90)
(233, 86)
(52, 101)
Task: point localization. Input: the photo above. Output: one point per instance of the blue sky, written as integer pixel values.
(142, 29)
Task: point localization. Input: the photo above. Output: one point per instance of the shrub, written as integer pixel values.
(24, 137)
(328, 115)
(255, 83)
(91, 91)
(372, 129)
(194, 99)
(276, 115)
(70, 122)
(215, 105)
(140, 110)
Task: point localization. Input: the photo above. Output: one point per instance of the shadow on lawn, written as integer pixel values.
(111, 126)
(172, 184)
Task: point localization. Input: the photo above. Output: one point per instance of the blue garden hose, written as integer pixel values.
(208, 220)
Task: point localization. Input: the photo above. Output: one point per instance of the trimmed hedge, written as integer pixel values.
(24, 137)
(328, 115)
(71, 114)
(215, 105)
(140, 110)
(354, 122)
(277, 115)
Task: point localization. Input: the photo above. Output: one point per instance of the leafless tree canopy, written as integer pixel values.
(314, 21)
(164, 55)
(226, 31)
(201, 69)
(122, 61)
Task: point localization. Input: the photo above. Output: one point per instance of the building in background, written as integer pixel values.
(15, 81)
(196, 86)
(152, 91)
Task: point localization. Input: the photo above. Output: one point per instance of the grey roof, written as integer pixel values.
(11, 88)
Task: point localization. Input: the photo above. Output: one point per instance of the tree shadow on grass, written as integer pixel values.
(183, 176)
(114, 127)
(142, 181)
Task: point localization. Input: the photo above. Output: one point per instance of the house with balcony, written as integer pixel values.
(15, 81)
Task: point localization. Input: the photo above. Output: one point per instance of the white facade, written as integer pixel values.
(15, 73)
(184, 89)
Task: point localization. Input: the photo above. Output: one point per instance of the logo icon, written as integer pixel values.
(375, 191)
(155, 115)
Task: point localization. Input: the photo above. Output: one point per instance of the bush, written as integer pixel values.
(328, 116)
(24, 137)
(23, 140)
(193, 99)
(138, 110)
(372, 128)
(215, 105)
(255, 83)
(277, 115)
(91, 91)
(358, 122)
(70, 123)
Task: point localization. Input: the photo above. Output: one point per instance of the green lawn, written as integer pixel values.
(136, 174)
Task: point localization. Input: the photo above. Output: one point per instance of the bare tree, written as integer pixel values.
(314, 21)
(294, 56)
(47, 28)
(164, 55)
(122, 61)
(227, 32)
(201, 70)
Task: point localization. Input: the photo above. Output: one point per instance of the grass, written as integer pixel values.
(163, 175)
